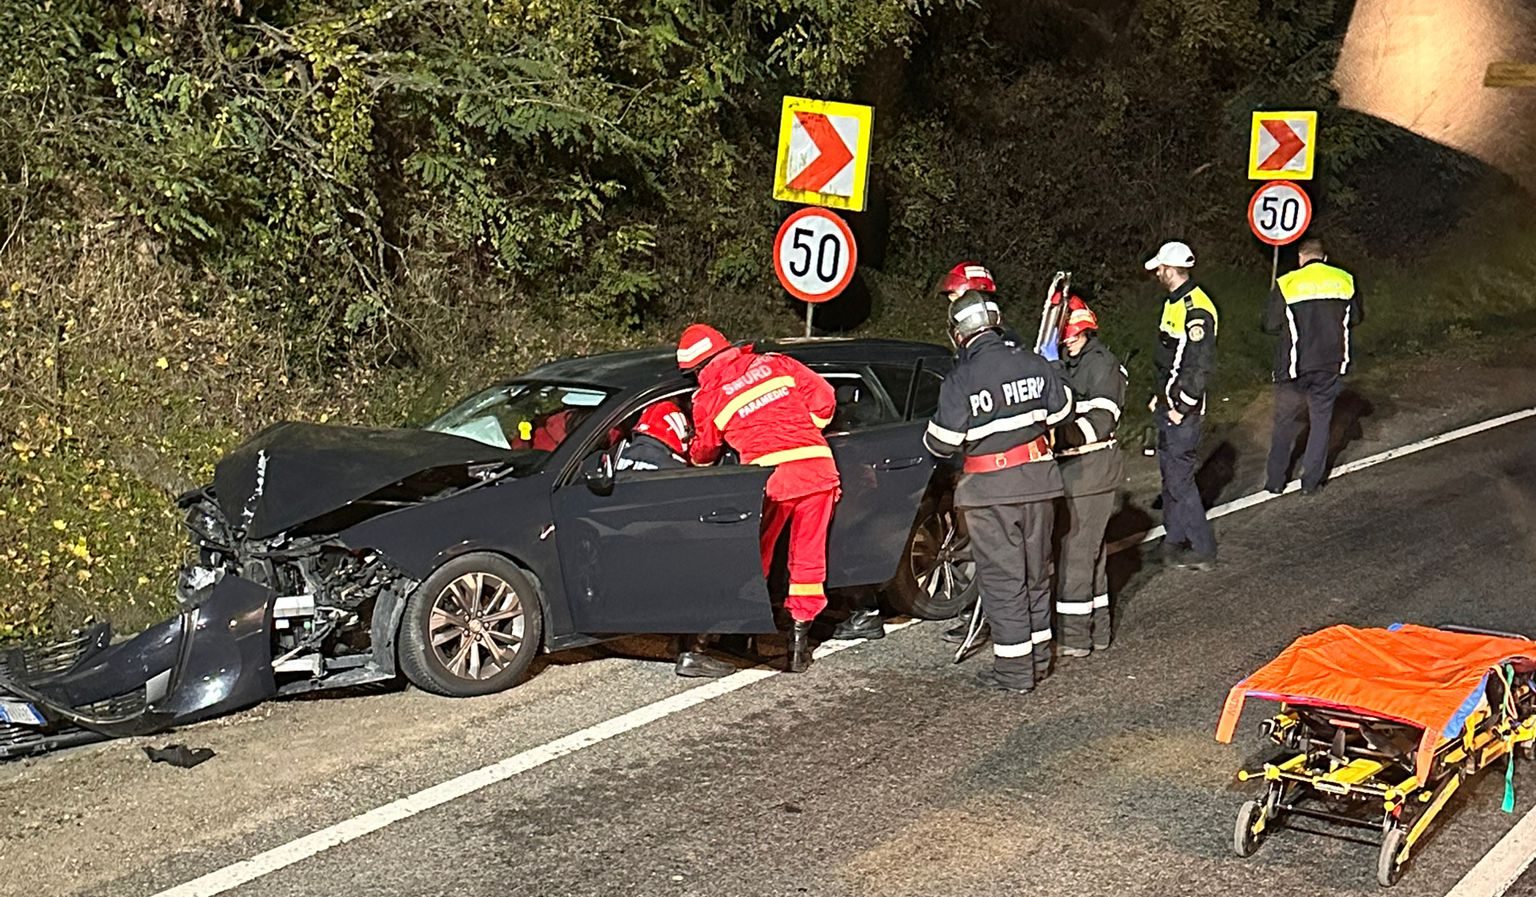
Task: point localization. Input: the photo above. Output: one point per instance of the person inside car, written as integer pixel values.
(659, 441)
(547, 435)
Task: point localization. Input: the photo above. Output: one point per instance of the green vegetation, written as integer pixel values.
(215, 214)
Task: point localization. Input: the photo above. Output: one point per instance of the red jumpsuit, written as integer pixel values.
(771, 410)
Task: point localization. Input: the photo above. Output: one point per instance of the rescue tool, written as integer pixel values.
(1381, 727)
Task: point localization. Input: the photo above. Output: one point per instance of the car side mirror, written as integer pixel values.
(600, 481)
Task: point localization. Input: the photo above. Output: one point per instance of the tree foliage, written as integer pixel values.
(214, 213)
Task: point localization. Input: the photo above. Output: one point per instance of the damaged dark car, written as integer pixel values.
(451, 555)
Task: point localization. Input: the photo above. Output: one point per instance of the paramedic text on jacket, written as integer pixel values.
(771, 409)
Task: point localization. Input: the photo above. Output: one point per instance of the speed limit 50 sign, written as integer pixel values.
(814, 254)
(1279, 213)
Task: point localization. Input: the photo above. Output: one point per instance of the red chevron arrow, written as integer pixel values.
(1290, 145)
(834, 154)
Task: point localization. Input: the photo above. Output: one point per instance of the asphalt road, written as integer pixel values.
(882, 771)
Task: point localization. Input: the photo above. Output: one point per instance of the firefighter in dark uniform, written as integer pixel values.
(996, 409)
(659, 441)
(1312, 310)
(1091, 472)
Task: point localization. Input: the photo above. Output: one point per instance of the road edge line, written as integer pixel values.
(1503, 864)
(292, 852)
(1359, 464)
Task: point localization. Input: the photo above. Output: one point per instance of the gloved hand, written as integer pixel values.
(1050, 350)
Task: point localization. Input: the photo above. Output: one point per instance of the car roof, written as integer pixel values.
(638, 368)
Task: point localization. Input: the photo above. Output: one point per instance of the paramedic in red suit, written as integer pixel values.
(771, 409)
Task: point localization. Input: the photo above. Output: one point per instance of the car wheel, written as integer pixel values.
(937, 578)
(471, 628)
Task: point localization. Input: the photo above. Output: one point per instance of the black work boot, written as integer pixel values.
(799, 659)
(955, 635)
(1103, 635)
(694, 663)
(989, 678)
(1189, 560)
(862, 624)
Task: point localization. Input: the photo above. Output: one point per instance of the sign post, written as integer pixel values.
(1279, 213)
(814, 255)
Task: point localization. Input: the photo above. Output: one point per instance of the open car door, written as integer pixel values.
(885, 472)
(672, 551)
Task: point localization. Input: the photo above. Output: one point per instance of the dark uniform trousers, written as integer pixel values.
(1311, 396)
(1082, 564)
(1178, 447)
(1012, 545)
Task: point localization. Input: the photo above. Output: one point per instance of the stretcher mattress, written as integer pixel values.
(1433, 679)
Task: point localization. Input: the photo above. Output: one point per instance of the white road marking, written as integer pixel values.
(1258, 498)
(1499, 868)
(233, 876)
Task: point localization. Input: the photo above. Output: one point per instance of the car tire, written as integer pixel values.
(457, 616)
(937, 578)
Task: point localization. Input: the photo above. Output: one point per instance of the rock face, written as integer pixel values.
(1420, 65)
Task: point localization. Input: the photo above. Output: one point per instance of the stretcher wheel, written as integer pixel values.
(1244, 841)
(1388, 870)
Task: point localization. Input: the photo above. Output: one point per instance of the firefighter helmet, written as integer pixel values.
(666, 422)
(967, 276)
(970, 314)
(1080, 318)
(698, 344)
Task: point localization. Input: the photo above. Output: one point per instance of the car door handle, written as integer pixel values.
(897, 463)
(728, 515)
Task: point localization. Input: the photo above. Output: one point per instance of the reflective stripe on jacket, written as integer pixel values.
(1186, 349)
(771, 409)
(1312, 310)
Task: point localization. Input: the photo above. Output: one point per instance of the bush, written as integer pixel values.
(215, 214)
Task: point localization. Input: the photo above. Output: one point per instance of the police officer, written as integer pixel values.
(1091, 472)
(1312, 310)
(659, 441)
(996, 409)
(1186, 357)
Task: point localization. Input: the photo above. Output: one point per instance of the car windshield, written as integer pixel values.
(535, 416)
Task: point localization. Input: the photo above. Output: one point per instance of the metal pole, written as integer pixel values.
(810, 311)
(1274, 269)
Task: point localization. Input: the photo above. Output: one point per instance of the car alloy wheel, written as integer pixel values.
(477, 626)
(937, 577)
(941, 561)
(471, 628)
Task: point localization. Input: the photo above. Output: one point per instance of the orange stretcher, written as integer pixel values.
(1380, 727)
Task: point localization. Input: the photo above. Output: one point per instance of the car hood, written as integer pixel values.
(292, 473)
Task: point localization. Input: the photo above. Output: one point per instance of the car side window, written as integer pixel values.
(916, 384)
(860, 405)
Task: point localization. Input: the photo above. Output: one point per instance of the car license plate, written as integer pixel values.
(20, 713)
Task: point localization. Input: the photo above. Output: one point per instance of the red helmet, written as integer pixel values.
(699, 343)
(666, 421)
(967, 276)
(1080, 318)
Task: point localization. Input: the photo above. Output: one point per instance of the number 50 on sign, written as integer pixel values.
(1279, 213)
(814, 255)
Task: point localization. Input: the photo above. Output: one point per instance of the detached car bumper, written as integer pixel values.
(213, 657)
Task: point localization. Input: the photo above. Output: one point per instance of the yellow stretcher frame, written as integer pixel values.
(1486, 738)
